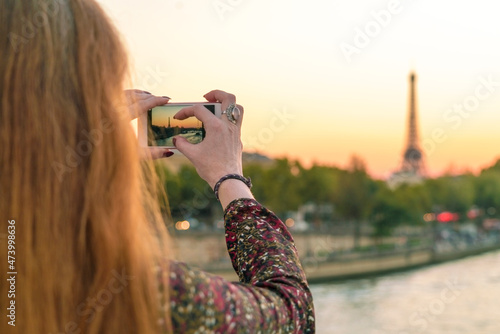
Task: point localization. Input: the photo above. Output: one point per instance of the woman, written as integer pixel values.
(90, 249)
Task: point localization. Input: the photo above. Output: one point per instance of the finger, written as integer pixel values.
(220, 96)
(136, 96)
(152, 101)
(198, 111)
(133, 95)
(135, 92)
(184, 146)
(156, 153)
(141, 102)
(240, 119)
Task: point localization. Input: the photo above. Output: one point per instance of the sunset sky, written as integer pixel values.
(160, 117)
(323, 80)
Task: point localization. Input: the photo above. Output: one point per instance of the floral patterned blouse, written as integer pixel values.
(272, 295)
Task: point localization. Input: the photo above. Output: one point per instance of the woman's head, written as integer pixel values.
(69, 172)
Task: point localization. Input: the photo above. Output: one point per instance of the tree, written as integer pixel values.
(452, 193)
(416, 199)
(276, 186)
(355, 194)
(487, 190)
(388, 212)
(318, 185)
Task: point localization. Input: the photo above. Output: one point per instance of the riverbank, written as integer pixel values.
(322, 256)
(329, 271)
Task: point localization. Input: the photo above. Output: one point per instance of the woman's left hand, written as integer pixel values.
(139, 102)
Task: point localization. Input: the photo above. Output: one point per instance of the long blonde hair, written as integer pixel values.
(87, 232)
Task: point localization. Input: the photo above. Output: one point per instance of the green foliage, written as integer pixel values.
(188, 194)
(284, 186)
(354, 194)
(388, 212)
(415, 198)
(452, 193)
(276, 186)
(318, 184)
(487, 188)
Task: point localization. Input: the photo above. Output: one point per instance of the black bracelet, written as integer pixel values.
(245, 180)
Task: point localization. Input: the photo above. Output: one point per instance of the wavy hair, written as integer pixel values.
(88, 233)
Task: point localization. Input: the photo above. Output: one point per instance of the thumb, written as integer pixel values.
(183, 146)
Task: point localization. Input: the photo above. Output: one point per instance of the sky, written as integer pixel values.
(162, 116)
(324, 80)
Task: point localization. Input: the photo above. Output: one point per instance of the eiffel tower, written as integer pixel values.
(413, 158)
(413, 167)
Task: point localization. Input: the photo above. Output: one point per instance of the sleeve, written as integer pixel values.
(272, 295)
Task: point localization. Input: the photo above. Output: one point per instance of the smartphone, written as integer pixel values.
(157, 127)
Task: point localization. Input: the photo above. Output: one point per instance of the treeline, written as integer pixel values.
(349, 195)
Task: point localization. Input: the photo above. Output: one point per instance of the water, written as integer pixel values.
(459, 297)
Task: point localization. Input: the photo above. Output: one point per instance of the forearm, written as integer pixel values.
(264, 255)
(272, 295)
(259, 244)
(231, 189)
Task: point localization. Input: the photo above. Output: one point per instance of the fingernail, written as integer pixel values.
(168, 154)
(166, 97)
(174, 140)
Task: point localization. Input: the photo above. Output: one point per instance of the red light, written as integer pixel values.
(445, 217)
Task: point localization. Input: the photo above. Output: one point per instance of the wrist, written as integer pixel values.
(232, 186)
(232, 176)
(232, 189)
(216, 177)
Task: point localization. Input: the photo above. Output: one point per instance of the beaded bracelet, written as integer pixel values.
(245, 180)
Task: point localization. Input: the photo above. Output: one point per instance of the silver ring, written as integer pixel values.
(233, 113)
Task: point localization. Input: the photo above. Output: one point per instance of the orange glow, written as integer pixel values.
(307, 102)
(182, 225)
(429, 217)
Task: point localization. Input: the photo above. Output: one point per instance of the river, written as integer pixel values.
(459, 297)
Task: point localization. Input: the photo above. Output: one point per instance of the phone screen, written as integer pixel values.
(162, 127)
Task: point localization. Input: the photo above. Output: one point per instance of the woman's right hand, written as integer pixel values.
(220, 153)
